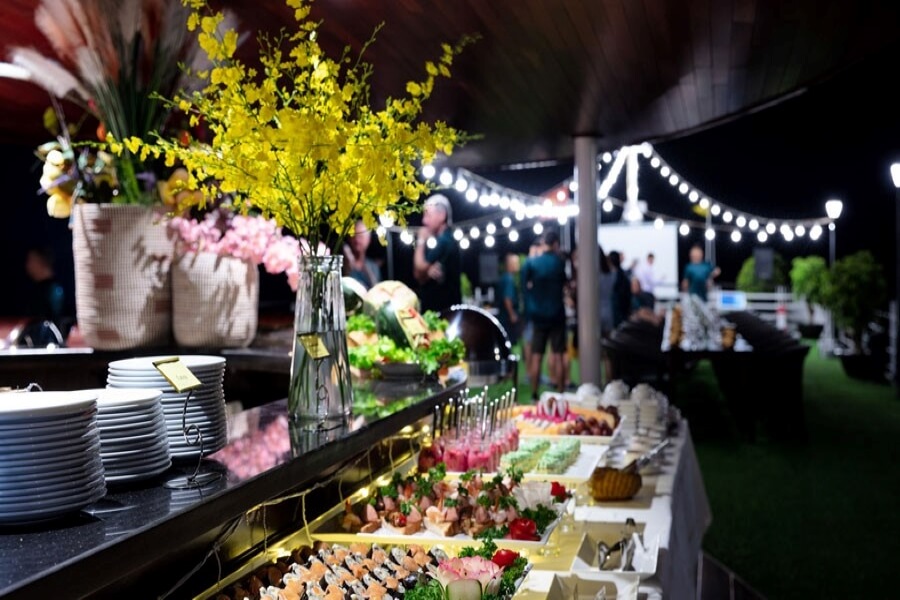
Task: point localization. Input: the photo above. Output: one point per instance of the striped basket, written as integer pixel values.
(123, 293)
(215, 301)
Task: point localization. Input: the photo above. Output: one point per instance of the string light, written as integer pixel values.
(471, 194)
(740, 221)
(693, 196)
(464, 243)
(458, 234)
(474, 233)
(727, 216)
(446, 178)
(715, 209)
(683, 229)
(735, 236)
(406, 237)
(800, 230)
(514, 236)
(770, 228)
(762, 236)
(431, 243)
(490, 229)
(428, 171)
(815, 232)
(489, 241)
(538, 229)
(753, 225)
(461, 184)
(658, 223)
(704, 203)
(710, 234)
(607, 205)
(505, 222)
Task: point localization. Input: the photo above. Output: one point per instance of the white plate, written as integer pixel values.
(193, 452)
(108, 398)
(145, 363)
(28, 406)
(45, 466)
(25, 443)
(180, 445)
(156, 463)
(14, 499)
(64, 477)
(127, 437)
(50, 510)
(153, 447)
(128, 409)
(128, 419)
(49, 426)
(140, 461)
(139, 476)
(40, 453)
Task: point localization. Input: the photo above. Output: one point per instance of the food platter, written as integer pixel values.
(580, 471)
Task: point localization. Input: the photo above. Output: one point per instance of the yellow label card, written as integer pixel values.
(314, 345)
(177, 374)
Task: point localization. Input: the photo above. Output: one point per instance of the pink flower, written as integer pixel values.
(486, 572)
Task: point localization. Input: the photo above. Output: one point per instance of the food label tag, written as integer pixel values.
(177, 374)
(314, 345)
(413, 326)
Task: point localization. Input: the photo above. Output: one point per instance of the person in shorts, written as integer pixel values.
(544, 276)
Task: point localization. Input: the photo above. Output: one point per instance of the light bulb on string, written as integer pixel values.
(654, 162)
(607, 206)
(607, 157)
(665, 171)
(784, 229)
(762, 236)
(788, 234)
(458, 234)
(484, 200)
(573, 186)
(658, 223)
(710, 234)
(740, 221)
(505, 202)
(489, 241)
(693, 196)
(464, 244)
(520, 215)
(474, 233)
(562, 219)
(381, 231)
(471, 194)
(815, 232)
(715, 209)
(735, 236)
(673, 179)
(753, 225)
(505, 222)
(514, 236)
(494, 199)
(428, 171)
(770, 228)
(406, 237)
(538, 229)
(704, 203)
(800, 230)
(461, 184)
(561, 195)
(490, 229)
(386, 219)
(727, 216)
(431, 244)
(683, 229)
(446, 178)
(683, 188)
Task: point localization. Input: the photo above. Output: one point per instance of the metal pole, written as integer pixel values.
(588, 300)
(710, 250)
(390, 254)
(897, 292)
(831, 244)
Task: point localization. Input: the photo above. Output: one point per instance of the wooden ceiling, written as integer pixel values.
(546, 70)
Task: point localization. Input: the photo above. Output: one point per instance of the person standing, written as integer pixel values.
(647, 279)
(437, 269)
(507, 294)
(621, 299)
(536, 249)
(356, 264)
(545, 277)
(698, 274)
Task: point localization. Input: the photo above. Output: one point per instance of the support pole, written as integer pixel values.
(589, 356)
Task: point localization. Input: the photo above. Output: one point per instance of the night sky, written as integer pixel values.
(836, 140)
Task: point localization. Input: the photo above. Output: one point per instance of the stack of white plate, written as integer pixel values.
(205, 405)
(134, 442)
(49, 455)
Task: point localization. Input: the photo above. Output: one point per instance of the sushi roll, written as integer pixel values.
(398, 553)
(438, 555)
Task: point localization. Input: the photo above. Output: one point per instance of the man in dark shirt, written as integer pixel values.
(437, 266)
(545, 277)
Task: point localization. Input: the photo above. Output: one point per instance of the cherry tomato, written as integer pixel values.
(523, 529)
(504, 558)
(558, 491)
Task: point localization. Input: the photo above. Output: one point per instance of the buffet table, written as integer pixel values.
(170, 541)
(678, 515)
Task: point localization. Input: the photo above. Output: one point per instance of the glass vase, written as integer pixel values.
(321, 394)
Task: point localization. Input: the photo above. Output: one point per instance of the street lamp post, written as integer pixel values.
(833, 208)
(895, 176)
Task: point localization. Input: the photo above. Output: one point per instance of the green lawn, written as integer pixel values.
(819, 519)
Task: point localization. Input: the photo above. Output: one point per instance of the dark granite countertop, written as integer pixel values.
(107, 543)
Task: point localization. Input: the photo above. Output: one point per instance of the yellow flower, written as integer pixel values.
(59, 204)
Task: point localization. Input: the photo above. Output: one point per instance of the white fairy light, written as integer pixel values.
(494, 199)
(464, 244)
(727, 216)
(490, 229)
(514, 236)
(753, 225)
(505, 222)
(386, 220)
(788, 234)
(658, 223)
(735, 236)
(683, 229)
(800, 230)
(446, 178)
(562, 219)
(381, 231)
(770, 228)
(715, 209)
(428, 171)
(654, 162)
(710, 234)
(484, 200)
(673, 179)
(461, 184)
(740, 221)
(471, 194)
(474, 233)
(762, 236)
(561, 195)
(573, 186)
(815, 232)
(683, 188)
(646, 150)
(431, 244)
(665, 171)
(607, 157)
(489, 241)
(458, 234)
(704, 202)
(520, 215)
(607, 206)
(406, 237)
(784, 228)
(693, 196)
(505, 202)
(538, 229)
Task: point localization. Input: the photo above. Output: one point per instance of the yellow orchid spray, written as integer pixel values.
(296, 140)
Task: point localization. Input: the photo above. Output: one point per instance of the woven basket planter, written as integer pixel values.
(123, 293)
(215, 301)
